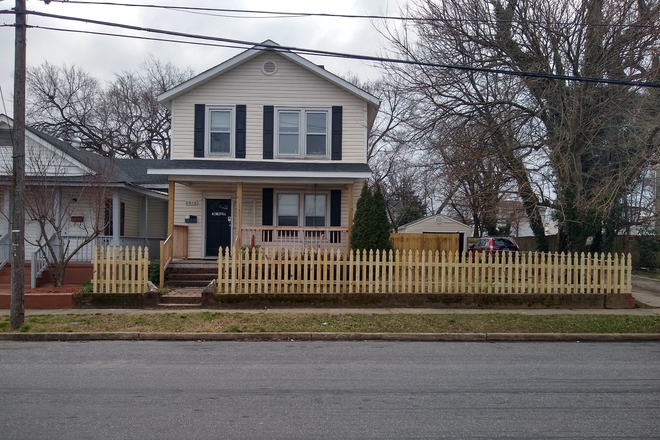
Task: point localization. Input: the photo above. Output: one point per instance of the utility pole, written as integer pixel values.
(17, 310)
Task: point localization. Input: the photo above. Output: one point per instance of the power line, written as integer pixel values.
(248, 44)
(280, 14)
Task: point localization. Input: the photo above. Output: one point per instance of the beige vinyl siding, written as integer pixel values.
(156, 218)
(132, 204)
(291, 86)
(447, 225)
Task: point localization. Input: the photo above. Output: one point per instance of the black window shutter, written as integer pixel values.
(337, 113)
(267, 212)
(335, 207)
(241, 111)
(335, 214)
(269, 130)
(200, 118)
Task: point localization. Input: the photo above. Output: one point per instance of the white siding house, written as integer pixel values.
(83, 192)
(267, 148)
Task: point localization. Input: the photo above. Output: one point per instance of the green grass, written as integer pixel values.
(363, 323)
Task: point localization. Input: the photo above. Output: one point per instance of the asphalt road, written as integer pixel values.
(329, 390)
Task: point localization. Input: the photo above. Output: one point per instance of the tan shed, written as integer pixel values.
(439, 224)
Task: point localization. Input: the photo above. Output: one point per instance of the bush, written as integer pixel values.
(371, 226)
(154, 271)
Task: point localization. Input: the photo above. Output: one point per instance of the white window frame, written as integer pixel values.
(232, 130)
(301, 206)
(302, 139)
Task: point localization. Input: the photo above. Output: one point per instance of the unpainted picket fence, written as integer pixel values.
(272, 271)
(120, 269)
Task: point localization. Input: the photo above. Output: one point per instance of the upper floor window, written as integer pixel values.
(220, 136)
(302, 132)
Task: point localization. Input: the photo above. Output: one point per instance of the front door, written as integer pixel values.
(218, 225)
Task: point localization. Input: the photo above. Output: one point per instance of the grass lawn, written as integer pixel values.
(357, 323)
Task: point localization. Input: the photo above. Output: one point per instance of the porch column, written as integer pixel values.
(57, 208)
(170, 209)
(143, 220)
(239, 215)
(350, 216)
(116, 218)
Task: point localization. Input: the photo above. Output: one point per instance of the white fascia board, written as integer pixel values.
(146, 192)
(330, 77)
(4, 119)
(167, 97)
(56, 151)
(269, 174)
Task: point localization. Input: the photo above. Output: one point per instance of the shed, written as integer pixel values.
(439, 224)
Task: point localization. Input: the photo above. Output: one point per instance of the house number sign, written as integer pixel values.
(192, 202)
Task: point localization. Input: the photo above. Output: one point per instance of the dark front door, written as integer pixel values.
(218, 225)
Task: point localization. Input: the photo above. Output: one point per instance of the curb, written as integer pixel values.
(307, 336)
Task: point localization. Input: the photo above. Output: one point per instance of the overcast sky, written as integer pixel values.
(103, 56)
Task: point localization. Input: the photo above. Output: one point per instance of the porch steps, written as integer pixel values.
(5, 278)
(192, 273)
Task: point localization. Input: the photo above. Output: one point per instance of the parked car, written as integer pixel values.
(494, 244)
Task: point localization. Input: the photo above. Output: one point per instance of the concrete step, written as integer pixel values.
(188, 283)
(180, 276)
(180, 306)
(180, 299)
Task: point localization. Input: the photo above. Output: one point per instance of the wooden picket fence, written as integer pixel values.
(120, 270)
(283, 271)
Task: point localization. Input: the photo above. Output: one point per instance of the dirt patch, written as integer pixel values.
(49, 288)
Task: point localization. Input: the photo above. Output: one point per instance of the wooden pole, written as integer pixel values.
(17, 312)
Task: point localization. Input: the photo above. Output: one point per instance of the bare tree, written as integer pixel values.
(578, 147)
(62, 202)
(120, 119)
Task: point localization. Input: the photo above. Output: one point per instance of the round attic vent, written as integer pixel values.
(269, 67)
(439, 220)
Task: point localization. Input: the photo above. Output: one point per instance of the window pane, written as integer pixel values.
(315, 207)
(288, 144)
(316, 144)
(220, 143)
(289, 122)
(221, 120)
(316, 123)
(287, 209)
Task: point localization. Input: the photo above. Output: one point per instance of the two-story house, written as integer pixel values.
(268, 149)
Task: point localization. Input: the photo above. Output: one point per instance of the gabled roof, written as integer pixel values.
(268, 46)
(126, 171)
(445, 220)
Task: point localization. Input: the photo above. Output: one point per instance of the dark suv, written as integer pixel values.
(499, 244)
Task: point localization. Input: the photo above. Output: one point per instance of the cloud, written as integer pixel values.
(104, 56)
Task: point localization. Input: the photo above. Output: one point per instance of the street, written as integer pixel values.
(351, 390)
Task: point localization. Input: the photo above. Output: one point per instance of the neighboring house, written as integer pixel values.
(87, 192)
(267, 149)
(439, 224)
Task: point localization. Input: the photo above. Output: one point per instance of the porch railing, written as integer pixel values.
(174, 246)
(295, 237)
(40, 258)
(282, 271)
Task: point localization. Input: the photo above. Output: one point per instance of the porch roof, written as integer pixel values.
(260, 169)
